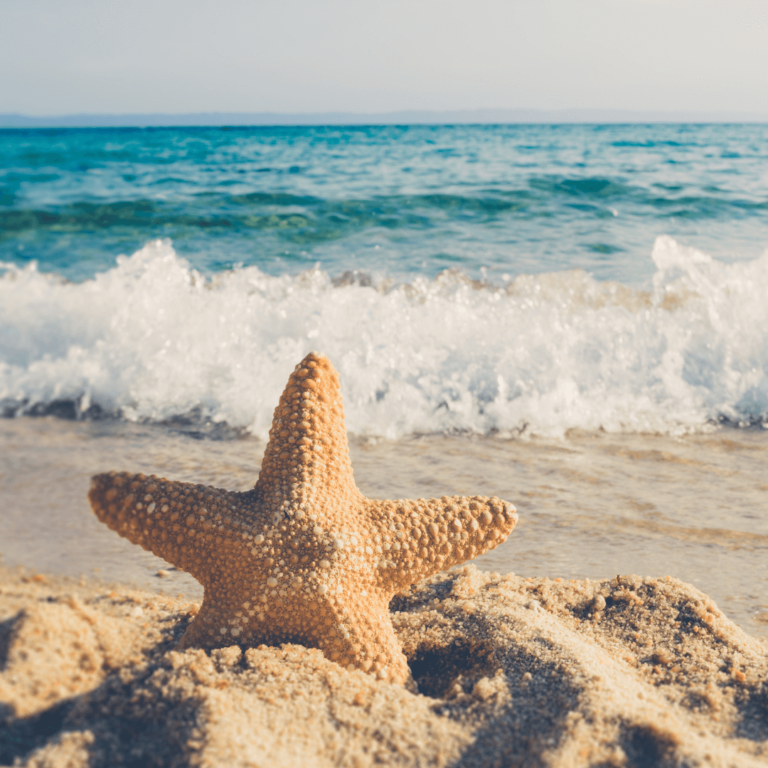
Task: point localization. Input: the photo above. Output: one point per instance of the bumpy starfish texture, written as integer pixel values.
(303, 557)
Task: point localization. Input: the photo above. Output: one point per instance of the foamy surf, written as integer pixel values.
(152, 339)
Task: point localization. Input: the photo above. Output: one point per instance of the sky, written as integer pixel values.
(175, 56)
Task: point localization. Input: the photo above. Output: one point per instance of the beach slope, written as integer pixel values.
(511, 672)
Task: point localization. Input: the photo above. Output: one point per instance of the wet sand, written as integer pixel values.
(591, 506)
(511, 671)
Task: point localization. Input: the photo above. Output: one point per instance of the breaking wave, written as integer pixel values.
(153, 339)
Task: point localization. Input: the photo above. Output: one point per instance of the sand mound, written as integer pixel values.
(511, 671)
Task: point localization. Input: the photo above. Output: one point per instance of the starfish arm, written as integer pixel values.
(306, 463)
(223, 615)
(360, 636)
(190, 526)
(354, 632)
(201, 633)
(415, 539)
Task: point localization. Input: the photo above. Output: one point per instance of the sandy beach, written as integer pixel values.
(511, 671)
(536, 669)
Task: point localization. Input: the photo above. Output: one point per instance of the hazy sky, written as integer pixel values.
(65, 56)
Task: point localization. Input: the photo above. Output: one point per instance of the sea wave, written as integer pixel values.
(153, 339)
(311, 218)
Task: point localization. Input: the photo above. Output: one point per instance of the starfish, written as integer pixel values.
(302, 557)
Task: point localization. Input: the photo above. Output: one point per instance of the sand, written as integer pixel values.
(511, 672)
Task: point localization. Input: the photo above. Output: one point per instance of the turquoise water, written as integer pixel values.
(398, 201)
(488, 279)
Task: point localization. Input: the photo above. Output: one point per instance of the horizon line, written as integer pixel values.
(394, 117)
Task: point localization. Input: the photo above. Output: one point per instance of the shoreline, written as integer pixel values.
(511, 670)
(591, 505)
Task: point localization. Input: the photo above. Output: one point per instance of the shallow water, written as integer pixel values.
(591, 504)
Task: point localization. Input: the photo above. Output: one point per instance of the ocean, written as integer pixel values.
(571, 317)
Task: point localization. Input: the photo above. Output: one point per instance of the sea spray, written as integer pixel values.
(152, 339)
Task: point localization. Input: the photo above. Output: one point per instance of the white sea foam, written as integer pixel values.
(152, 338)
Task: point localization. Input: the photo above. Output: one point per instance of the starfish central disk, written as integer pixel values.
(304, 557)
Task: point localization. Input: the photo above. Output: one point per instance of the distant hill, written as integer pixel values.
(411, 117)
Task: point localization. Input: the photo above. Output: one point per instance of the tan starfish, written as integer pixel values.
(304, 556)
